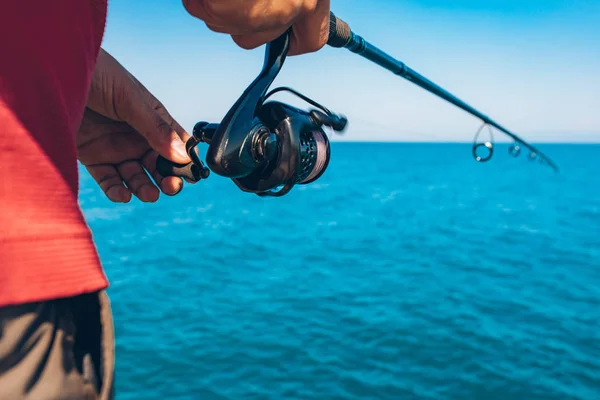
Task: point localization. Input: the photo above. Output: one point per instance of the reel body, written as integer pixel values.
(264, 147)
(293, 149)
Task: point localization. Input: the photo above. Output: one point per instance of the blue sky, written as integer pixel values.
(532, 65)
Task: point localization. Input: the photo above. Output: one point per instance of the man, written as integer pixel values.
(63, 99)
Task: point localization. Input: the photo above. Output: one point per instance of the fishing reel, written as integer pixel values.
(266, 148)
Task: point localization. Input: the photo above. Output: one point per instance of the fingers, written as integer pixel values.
(165, 136)
(169, 185)
(248, 17)
(249, 42)
(110, 182)
(138, 181)
(252, 23)
(119, 182)
(310, 33)
(159, 133)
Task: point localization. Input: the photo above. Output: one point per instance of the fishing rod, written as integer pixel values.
(267, 147)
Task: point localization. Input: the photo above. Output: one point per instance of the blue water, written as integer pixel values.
(409, 271)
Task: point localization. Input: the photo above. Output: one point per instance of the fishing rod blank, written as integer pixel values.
(341, 36)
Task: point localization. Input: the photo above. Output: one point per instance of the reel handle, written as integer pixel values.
(190, 171)
(195, 170)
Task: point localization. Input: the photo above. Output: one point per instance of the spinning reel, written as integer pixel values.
(264, 147)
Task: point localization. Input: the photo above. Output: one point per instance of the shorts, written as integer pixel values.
(58, 350)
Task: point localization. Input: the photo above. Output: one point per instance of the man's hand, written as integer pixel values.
(252, 23)
(123, 131)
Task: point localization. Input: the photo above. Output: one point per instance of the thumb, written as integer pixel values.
(159, 133)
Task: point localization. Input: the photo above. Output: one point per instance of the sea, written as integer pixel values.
(408, 271)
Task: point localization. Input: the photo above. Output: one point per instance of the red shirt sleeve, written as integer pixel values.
(48, 51)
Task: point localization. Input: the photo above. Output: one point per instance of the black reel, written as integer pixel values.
(264, 147)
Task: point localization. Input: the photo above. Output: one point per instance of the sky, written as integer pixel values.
(532, 65)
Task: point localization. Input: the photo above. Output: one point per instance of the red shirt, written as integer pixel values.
(48, 51)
